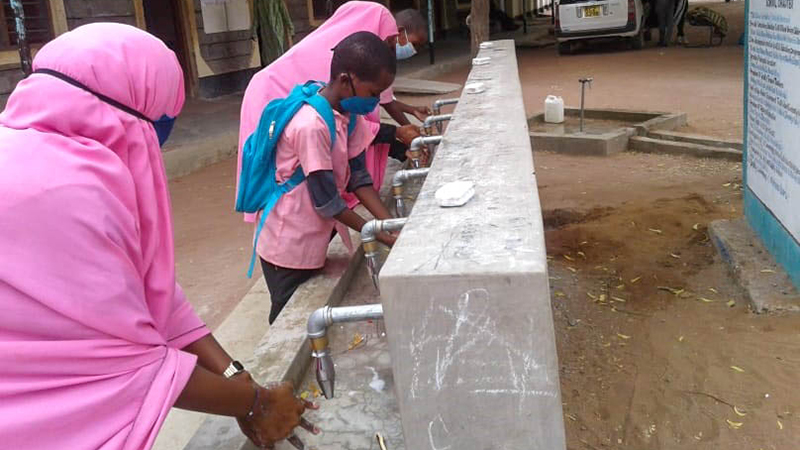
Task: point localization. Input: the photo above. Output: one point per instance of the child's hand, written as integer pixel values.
(422, 112)
(407, 133)
(387, 239)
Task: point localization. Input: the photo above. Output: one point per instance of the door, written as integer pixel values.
(165, 20)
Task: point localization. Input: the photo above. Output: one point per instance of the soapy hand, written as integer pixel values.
(422, 112)
(276, 413)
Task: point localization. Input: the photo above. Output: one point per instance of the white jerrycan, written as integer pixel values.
(553, 109)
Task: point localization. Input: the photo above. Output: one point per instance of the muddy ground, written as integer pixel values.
(656, 343)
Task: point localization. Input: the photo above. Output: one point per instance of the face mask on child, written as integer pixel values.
(358, 105)
(405, 51)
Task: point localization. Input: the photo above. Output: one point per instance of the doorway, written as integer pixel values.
(165, 20)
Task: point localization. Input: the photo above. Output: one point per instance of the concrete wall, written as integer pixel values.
(465, 290)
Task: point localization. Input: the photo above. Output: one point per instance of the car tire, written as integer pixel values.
(564, 48)
(637, 42)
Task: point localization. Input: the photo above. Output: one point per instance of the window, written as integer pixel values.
(222, 16)
(37, 23)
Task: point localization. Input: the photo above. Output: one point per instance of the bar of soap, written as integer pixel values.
(455, 194)
(481, 61)
(474, 88)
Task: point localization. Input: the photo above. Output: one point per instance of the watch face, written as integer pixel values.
(239, 367)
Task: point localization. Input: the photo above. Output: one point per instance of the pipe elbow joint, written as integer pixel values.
(317, 325)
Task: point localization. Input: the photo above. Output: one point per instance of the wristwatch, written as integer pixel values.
(234, 368)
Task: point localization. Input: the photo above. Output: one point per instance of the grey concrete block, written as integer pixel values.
(423, 87)
(696, 139)
(650, 145)
(465, 290)
(767, 285)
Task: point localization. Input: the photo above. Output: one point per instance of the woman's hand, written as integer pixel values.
(407, 133)
(275, 414)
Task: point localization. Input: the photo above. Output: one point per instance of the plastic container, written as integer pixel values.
(554, 109)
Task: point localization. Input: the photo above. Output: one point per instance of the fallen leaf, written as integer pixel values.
(656, 231)
(675, 256)
(602, 298)
(357, 340)
(739, 412)
(584, 243)
(315, 391)
(780, 425)
(581, 254)
(617, 299)
(304, 395)
(560, 294)
(706, 300)
(696, 227)
(767, 271)
(571, 417)
(734, 425)
(713, 290)
(731, 304)
(607, 345)
(726, 185)
(680, 339)
(568, 258)
(738, 369)
(592, 296)
(635, 280)
(572, 269)
(623, 336)
(620, 287)
(633, 224)
(673, 291)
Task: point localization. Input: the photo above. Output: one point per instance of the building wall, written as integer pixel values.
(81, 12)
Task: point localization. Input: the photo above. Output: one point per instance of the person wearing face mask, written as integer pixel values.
(97, 339)
(294, 238)
(310, 59)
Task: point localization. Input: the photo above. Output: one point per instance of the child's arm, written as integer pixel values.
(398, 110)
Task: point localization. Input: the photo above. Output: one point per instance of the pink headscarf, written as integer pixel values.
(91, 318)
(310, 59)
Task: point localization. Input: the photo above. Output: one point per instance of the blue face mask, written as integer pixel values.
(405, 51)
(163, 127)
(358, 105)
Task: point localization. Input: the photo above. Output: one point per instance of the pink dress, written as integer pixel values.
(310, 59)
(92, 321)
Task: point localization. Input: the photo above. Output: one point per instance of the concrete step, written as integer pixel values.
(415, 86)
(696, 139)
(650, 145)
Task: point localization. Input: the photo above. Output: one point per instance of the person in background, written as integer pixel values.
(310, 59)
(97, 339)
(294, 241)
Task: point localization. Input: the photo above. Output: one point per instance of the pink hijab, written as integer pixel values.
(91, 318)
(310, 59)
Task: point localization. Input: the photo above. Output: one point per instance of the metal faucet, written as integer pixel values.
(416, 147)
(369, 240)
(437, 105)
(584, 82)
(318, 324)
(398, 180)
(431, 120)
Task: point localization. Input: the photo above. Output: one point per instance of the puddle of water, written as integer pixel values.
(571, 125)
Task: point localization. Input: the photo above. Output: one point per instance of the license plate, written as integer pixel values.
(591, 11)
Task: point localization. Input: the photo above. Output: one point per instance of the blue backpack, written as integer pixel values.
(258, 189)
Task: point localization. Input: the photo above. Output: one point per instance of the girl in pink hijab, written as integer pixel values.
(97, 340)
(310, 59)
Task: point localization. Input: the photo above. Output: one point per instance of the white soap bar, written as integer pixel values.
(474, 88)
(487, 44)
(457, 193)
(481, 61)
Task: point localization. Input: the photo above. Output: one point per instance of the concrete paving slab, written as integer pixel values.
(423, 87)
(767, 285)
(696, 139)
(650, 145)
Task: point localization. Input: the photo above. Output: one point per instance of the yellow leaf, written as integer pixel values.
(680, 339)
(734, 425)
(602, 297)
(315, 391)
(780, 425)
(304, 395)
(738, 369)
(675, 256)
(568, 258)
(623, 336)
(635, 280)
(571, 417)
(707, 300)
(739, 412)
(617, 299)
(583, 255)
(621, 287)
(654, 230)
(572, 269)
(607, 345)
(767, 271)
(560, 294)
(726, 185)
(713, 290)
(591, 296)
(731, 303)
(696, 227)
(357, 340)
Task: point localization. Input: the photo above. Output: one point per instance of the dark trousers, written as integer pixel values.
(282, 283)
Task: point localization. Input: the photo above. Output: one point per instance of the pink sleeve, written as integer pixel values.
(184, 326)
(387, 96)
(310, 138)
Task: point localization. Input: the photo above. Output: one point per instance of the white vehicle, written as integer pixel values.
(578, 20)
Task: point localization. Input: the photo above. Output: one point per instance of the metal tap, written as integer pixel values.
(369, 240)
(437, 120)
(398, 180)
(437, 105)
(317, 327)
(584, 82)
(416, 147)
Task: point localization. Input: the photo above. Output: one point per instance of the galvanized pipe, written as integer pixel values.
(438, 120)
(317, 329)
(437, 105)
(369, 241)
(583, 82)
(398, 180)
(416, 147)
